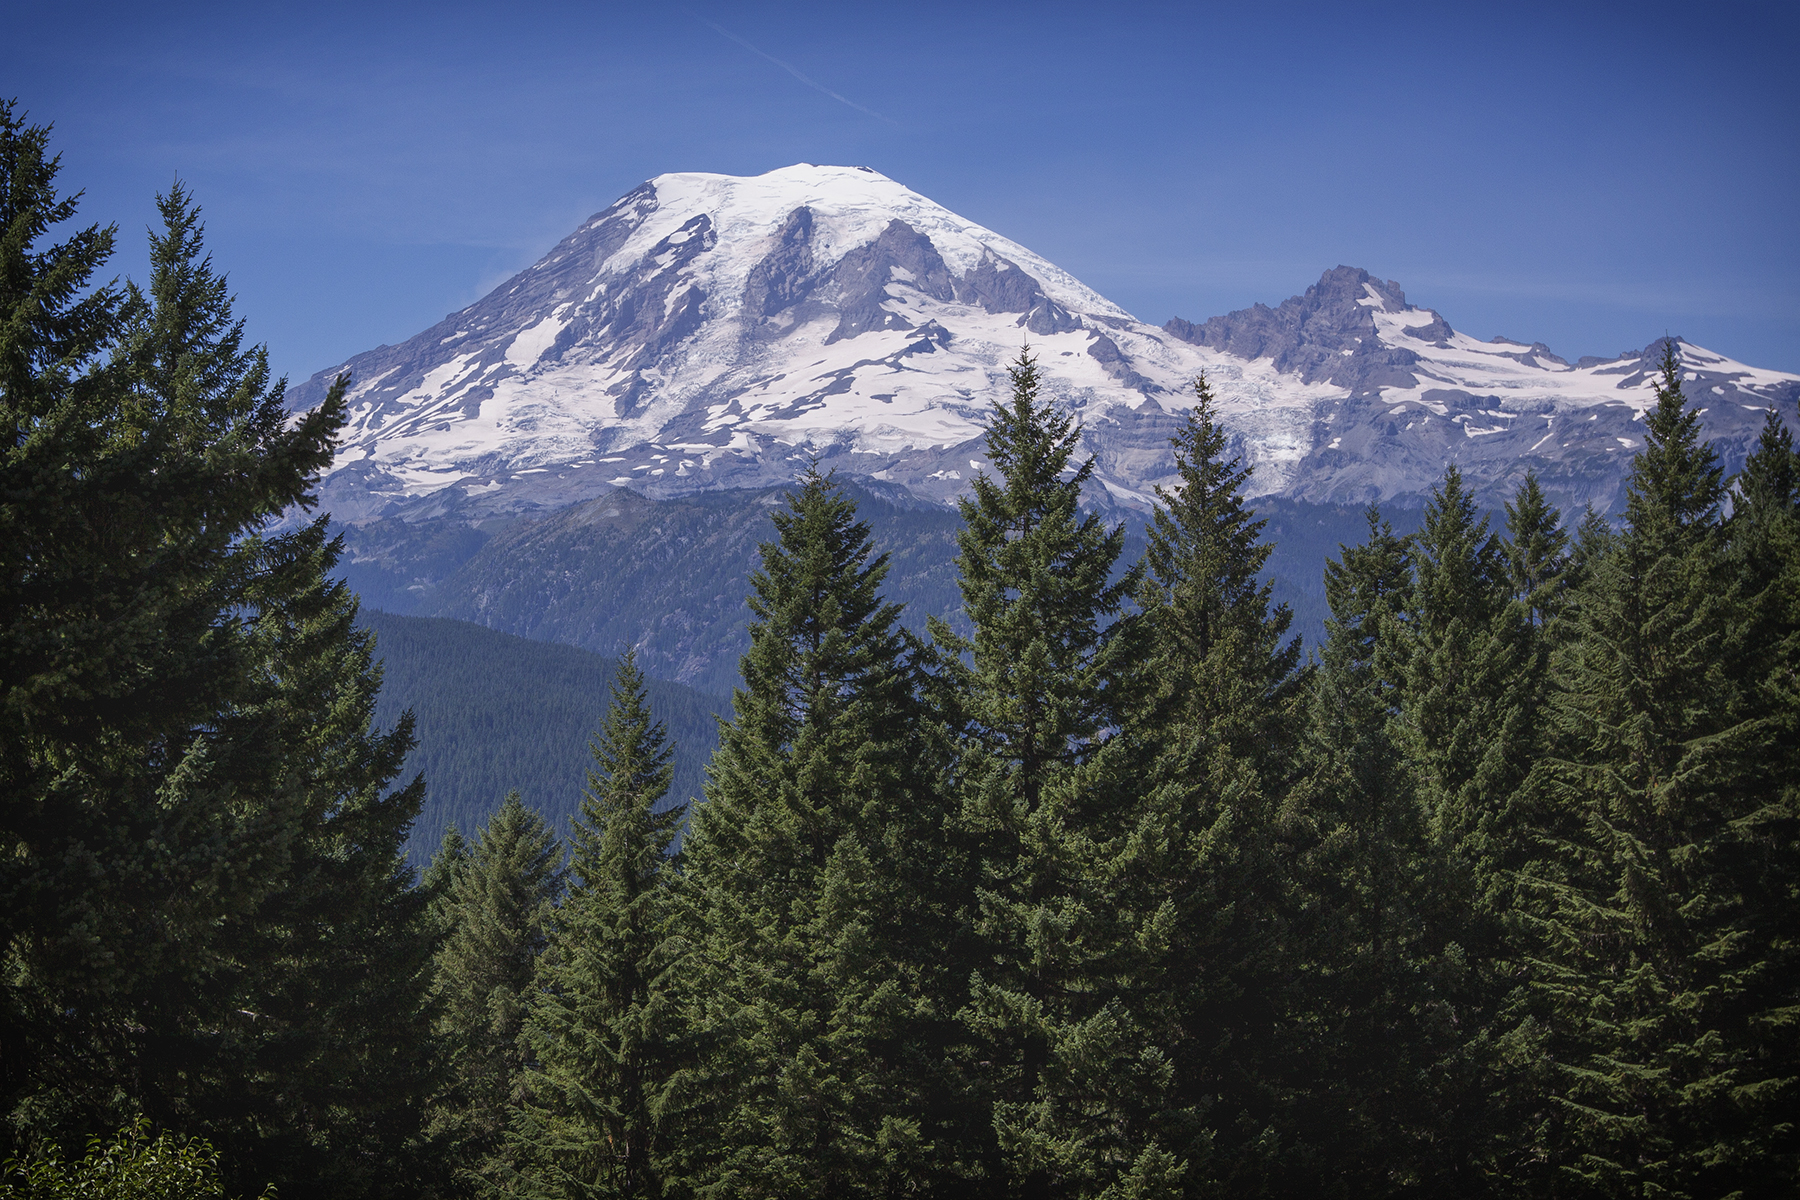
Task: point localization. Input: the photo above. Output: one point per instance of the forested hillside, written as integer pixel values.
(494, 713)
(669, 576)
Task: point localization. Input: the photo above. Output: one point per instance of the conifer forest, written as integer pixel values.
(1111, 890)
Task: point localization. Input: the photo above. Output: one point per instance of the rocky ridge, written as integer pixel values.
(709, 331)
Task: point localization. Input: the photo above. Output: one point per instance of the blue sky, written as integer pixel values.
(1589, 176)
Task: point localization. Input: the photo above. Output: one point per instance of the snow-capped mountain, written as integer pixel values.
(712, 331)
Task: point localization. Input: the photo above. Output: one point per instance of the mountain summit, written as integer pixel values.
(709, 331)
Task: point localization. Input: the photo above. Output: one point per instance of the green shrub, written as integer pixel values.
(133, 1166)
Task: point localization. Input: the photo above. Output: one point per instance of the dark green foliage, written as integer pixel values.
(813, 867)
(205, 916)
(327, 1054)
(439, 874)
(605, 1027)
(1219, 726)
(495, 903)
(126, 489)
(133, 1166)
(1453, 659)
(1666, 978)
(494, 713)
(1372, 966)
(1224, 669)
(1078, 1076)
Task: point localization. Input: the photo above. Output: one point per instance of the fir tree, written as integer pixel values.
(1080, 1080)
(439, 874)
(1456, 659)
(1537, 555)
(1220, 728)
(1666, 975)
(604, 1027)
(815, 867)
(1223, 670)
(1371, 957)
(496, 902)
(1766, 499)
(202, 833)
(317, 1073)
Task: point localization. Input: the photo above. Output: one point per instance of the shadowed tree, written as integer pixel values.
(605, 1027)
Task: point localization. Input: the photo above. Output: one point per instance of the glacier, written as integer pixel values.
(712, 331)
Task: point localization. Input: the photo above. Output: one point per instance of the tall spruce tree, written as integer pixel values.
(1666, 977)
(318, 1073)
(495, 908)
(125, 493)
(1456, 657)
(199, 832)
(1080, 1080)
(1224, 672)
(1219, 728)
(439, 874)
(1371, 959)
(816, 870)
(605, 1029)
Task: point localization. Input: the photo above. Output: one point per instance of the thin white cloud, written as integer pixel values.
(791, 69)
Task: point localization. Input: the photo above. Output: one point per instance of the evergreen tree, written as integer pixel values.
(1456, 659)
(200, 833)
(1220, 729)
(1766, 497)
(816, 868)
(604, 1027)
(439, 874)
(496, 902)
(125, 495)
(1666, 978)
(1223, 670)
(1375, 972)
(318, 1074)
(1537, 555)
(1080, 1080)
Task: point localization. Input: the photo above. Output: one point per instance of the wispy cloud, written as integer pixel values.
(791, 70)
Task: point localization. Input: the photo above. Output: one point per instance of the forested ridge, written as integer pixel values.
(669, 575)
(494, 713)
(1107, 890)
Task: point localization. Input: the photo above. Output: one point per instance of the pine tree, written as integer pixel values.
(1767, 495)
(317, 1071)
(439, 874)
(816, 867)
(496, 904)
(1456, 659)
(1223, 670)
(201, 830)
(1079, 1079)
(1220, 727)
(1666, 975)
(604, 1027)
(1373, 969)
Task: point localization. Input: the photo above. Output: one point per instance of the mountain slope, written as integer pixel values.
(496, 712)
(710, 331)
(666, 576)
(669, 576)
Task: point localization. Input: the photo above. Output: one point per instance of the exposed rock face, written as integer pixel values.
(706, 331)
(1326, 335)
